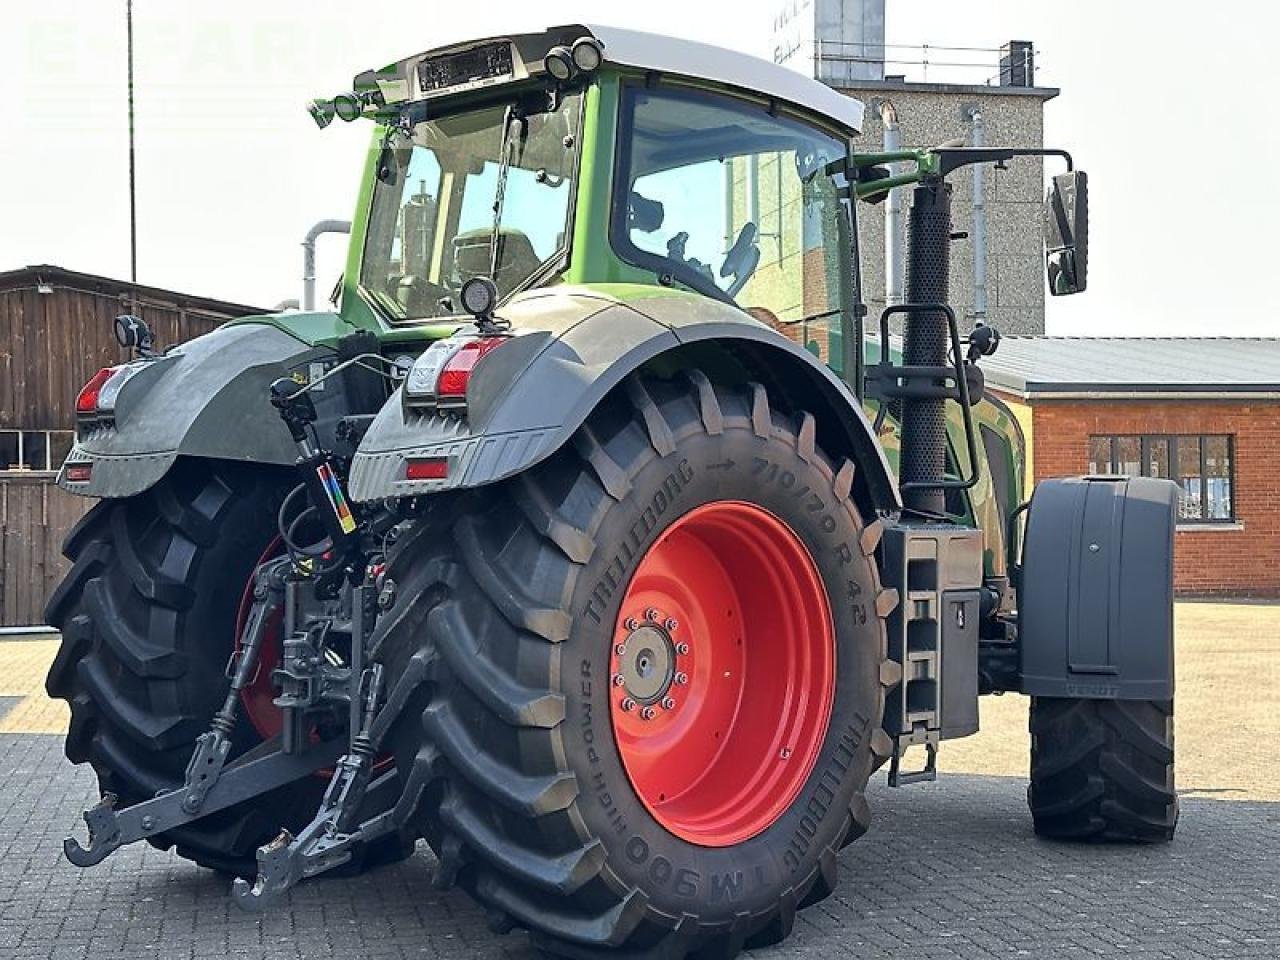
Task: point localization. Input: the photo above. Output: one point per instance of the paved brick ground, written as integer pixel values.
(949, 870)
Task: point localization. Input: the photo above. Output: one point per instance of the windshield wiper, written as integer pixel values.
(511, 119)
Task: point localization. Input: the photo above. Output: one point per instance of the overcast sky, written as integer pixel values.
(1170, 106)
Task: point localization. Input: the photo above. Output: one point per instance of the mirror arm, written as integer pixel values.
(952, 158)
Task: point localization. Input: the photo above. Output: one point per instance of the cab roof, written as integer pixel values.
(642, 51)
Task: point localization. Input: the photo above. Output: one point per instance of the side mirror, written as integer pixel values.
(1066, 233)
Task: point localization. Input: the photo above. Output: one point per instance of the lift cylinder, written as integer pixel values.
(925, 343)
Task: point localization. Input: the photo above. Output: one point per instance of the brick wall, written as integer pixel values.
(1242, 560)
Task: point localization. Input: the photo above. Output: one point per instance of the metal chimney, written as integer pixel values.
(1017, 64)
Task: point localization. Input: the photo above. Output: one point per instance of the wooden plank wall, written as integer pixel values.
(35, 516)
(50, 344)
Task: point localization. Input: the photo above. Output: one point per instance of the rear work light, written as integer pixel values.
(97, 398)
(440, 376)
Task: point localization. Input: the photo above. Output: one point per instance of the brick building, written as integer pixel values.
(1202, 412)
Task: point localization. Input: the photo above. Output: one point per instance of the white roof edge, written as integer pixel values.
(652, 51)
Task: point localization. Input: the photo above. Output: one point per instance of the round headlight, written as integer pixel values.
(559, 63)
(587, 54)
(479, 296)
(348, 106)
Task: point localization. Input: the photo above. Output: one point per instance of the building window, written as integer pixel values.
(1202, 465)
(34, 450)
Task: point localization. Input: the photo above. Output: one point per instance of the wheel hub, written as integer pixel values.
(646, 663)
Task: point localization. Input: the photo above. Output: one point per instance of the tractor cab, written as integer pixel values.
(600, 156)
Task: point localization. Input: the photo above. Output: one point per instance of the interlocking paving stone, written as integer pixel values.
(948, 870)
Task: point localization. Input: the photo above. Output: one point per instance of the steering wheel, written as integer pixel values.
(742, 259)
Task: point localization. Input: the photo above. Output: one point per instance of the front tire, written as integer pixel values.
(1102, 769)
(513, 751)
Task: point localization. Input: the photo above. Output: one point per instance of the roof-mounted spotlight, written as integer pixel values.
(587, 54)
(348, 106)
(321, 112)
(559, 63)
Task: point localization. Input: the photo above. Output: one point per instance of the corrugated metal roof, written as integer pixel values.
(1119, 366)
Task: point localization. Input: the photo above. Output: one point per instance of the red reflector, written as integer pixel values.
(87, 399)
(457, 372)
(434, 468)
(79, 472)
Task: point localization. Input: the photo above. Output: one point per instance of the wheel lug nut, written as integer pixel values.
(786, 753)
(671, 624)
(632, 623)
(628, 704)
(668, 703)
(618, 680)
(681, 678)
(620, 649)
(652, 614)
(647, 713)
(682, 649)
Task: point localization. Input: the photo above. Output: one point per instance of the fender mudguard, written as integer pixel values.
(575, 345)
(1095, 602)
(207, 397)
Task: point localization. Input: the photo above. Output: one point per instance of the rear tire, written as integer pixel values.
(148, 615)
(508, 613)
(1102, 769)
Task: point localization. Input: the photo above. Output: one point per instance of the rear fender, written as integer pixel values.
(573, 349)
(205, 398)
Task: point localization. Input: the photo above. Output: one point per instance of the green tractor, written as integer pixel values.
(591, 538)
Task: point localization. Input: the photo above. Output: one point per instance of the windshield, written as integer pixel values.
(432, 225)
(728, 199)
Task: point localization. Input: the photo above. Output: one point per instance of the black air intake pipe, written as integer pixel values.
(925, 343)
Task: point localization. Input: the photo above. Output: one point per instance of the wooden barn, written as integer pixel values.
(55, 333)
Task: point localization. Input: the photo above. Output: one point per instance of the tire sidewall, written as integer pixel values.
(718, 883)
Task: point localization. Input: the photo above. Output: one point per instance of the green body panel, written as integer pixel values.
(310, 328)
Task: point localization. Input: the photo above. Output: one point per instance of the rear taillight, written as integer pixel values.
(440, 376)
(427, 468)
(451, 388)
(97, 398)
(87, 399)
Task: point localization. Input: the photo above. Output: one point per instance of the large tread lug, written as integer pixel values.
(516, 605)
(91, 559)
(528, 795)
(561, 875)
(151, 585)
(141, 657)
(656, 426)
(608, 928)
(576, 544)
(514, 704)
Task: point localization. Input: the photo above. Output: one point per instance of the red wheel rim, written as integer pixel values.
(722, 673)
(256, 698)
